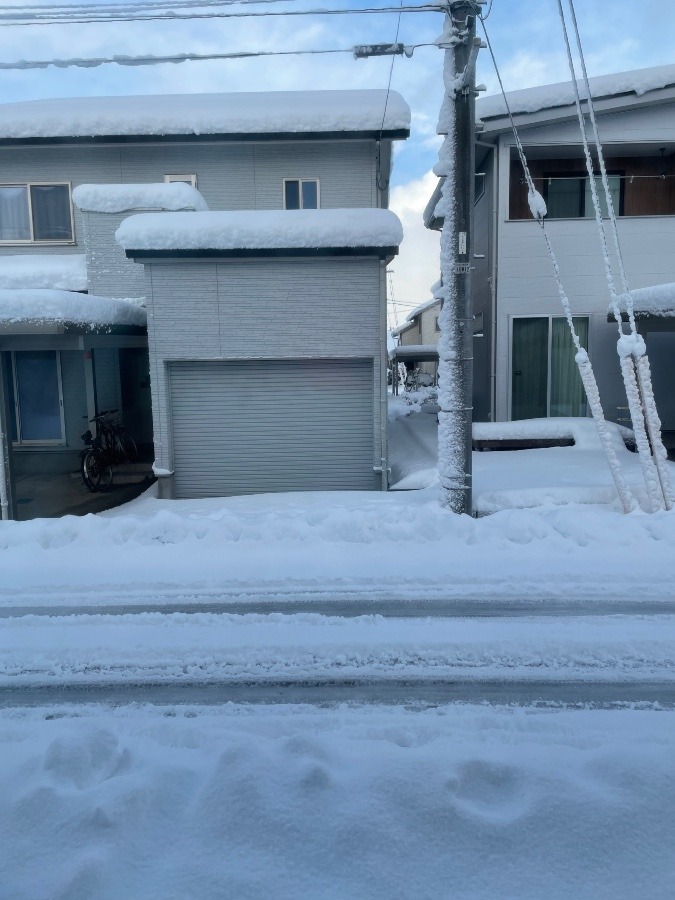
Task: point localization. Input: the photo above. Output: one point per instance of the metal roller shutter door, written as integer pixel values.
(271, 425)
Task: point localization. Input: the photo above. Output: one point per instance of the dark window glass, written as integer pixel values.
(292, 194)
(14, 222)
(51, 212)
(38, 394)
(310, 195)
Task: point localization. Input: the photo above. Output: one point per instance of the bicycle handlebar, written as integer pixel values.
(104, 412)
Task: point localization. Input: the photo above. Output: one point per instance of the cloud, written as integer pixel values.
(417, 266)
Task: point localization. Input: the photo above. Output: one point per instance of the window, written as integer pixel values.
(478, 325)
(301, 193)
(570, 197)
(35, 396)
(188, 179)
(545, 380)
(478, 186)
(35, 212)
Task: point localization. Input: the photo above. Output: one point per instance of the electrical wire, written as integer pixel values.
(94, 62)
(173, 16)
(383, 184)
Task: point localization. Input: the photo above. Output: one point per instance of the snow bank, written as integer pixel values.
(657, 300)
(581, 430)
(63, 272)
(528, 100)
(377, 802)
(116, 198)
(41, 306)
(261, 229)
(294, 112)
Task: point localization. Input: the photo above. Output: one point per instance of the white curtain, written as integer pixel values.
(14, 223)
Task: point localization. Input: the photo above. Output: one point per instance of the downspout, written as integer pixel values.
(5, 467)
(383, 468)
(494, 215)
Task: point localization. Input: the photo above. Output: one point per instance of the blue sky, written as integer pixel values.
(617, 34)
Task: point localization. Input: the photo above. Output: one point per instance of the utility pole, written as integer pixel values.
(456, 164)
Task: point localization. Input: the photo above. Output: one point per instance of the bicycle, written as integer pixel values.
(112, 446)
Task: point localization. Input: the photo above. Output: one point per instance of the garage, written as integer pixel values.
(249, 426)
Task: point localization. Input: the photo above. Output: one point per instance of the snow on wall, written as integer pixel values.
(637, 81)
(261, 229)
(64, 272)
(41, 306)
(242, 113)
(116, 198)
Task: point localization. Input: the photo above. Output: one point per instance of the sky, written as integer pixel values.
(617, 34)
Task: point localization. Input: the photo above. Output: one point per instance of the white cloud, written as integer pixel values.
(417, 265)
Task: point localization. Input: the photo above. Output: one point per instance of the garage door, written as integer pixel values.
(271, 425)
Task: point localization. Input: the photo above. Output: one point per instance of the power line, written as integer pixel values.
(94, 62)
(16, 21)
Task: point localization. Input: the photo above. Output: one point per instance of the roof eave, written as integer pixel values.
(396, 134)
(387, 253)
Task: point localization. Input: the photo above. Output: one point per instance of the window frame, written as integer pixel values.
(42, 442)
(583, 179)
(33, 240)
(300, 182)
(549, 341)
(176, 177)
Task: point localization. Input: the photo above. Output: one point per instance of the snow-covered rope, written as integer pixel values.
(630, 347)
(538, 210)
(641, 360)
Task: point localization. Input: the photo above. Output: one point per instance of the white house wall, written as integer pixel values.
(262, 309)
(526, 286)
(230, 175)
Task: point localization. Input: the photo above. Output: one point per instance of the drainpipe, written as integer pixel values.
(383, 468)
(6, 498)
(493, 277)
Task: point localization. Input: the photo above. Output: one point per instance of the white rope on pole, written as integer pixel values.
(538, 211)
(643, 371)
(627, 344)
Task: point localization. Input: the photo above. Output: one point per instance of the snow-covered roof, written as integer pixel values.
(116, 198)
(260, 113)
(422, 308)
(65, 272)
(61, 307)
(261, 230)
(549, 96)
(658, 300)
(413, 352)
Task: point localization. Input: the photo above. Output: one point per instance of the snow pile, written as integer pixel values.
(582, 431)
(528, 100)
(378, 802)
(261, 230)
(63, 272)
(45, 306)
(116, 198)
(286, 112)
(657, 300)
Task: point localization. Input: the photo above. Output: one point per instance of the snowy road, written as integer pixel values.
(313, 658)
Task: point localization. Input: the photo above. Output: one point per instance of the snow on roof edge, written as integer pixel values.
(53, 306)
(117, 198)
(550, 96)
(261, 230)
(58, 271)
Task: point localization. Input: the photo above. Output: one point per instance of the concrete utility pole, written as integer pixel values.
(456, 165)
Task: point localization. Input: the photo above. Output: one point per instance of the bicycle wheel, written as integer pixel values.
(97, 474)
(126, 446)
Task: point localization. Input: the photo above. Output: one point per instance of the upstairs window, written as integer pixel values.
(187, 179)
(570, 196)
(35, 213)
(301, 193)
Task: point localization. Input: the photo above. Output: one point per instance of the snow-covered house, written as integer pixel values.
(417, 339)
(523, 364)
(286, 151)
(260, 379)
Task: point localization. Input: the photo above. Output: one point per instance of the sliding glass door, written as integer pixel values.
(544, 377)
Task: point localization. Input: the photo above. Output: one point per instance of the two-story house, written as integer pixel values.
(295, 153)
(523, 360)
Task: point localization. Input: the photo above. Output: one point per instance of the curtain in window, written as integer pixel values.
(529, 368)
(51, 212)
(14, 223)
(614, 182)
(568, 397)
